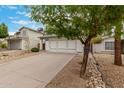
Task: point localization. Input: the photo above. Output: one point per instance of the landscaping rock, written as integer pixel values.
(6, 56)
(112, 75)
(95, 80)
(1, 57)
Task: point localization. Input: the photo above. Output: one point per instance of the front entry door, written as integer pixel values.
(43, 46)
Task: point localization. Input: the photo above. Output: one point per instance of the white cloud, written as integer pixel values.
(22, 22)
(34, 26)
(12, 7)
(23, 13)
(11, 33)
(28, 14)
(9, 7)
(28, 23)
(20, 13)
(12, 18)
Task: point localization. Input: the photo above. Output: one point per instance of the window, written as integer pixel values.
(24, 33)
(109, 45)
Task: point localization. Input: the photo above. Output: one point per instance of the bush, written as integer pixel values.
(35, 49)
(3, 46)
(96, 40)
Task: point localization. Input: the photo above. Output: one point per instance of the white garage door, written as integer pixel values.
(61, 45)
(15, 44)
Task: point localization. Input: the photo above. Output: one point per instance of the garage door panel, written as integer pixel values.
(62, 44)
(15, 44)
(71, 44)
(53, 44)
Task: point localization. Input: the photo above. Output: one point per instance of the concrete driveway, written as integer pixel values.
(34, 71)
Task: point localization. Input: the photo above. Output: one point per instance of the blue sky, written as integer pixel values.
(15, 17)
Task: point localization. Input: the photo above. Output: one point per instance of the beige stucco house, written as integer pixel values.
(27, 38)
(24, 39)
(55, 44)
(107, 45)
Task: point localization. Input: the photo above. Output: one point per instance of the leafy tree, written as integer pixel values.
(72, 22)
(114, 17)
(97, 40)
(3, 30)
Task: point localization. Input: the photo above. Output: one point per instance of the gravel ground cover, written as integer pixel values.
(68, 77)
(6, 56)
(113, 75)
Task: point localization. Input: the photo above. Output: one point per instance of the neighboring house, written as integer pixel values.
(107, 45)
(24, 39)
(54, 44)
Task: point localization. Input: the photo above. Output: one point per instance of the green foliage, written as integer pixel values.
(114, 16)
(3, 30)
(97, 40)
(3, 46)
(79, 21)
(35, 49)
(70, 21)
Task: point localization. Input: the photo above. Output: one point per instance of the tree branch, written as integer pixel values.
(82, 41)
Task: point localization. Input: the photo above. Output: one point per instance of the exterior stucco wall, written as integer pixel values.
(32, 39)
(101, 47)
(25, 39)
(78, 46)
(25, 44)
(63, 45)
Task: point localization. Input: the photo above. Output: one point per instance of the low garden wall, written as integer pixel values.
(94, 75)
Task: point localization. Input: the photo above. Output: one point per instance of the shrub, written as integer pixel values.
(96, 40)
(35, 49)
(3, 46)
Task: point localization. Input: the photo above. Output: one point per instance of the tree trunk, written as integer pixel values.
(85, 57)
(91, 48)
(117, 57)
